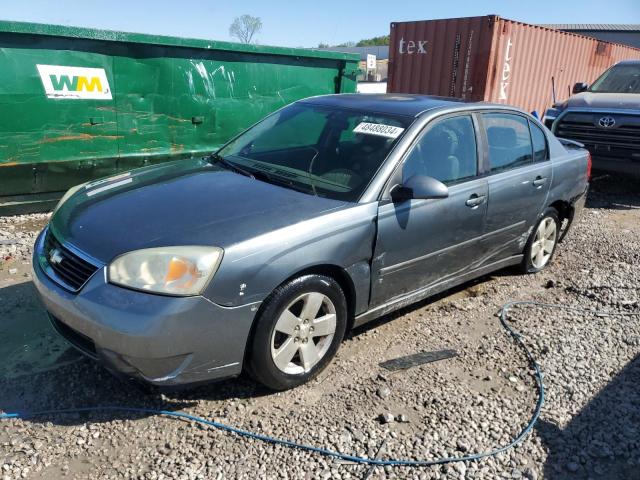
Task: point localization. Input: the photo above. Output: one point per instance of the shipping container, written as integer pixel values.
(497, 60)
(77, 104)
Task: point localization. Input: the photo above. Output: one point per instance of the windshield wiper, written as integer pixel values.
(258, 174)
(278, 180)
(230, 166)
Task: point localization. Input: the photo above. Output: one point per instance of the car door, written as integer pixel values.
(421, 242)
(519, 176)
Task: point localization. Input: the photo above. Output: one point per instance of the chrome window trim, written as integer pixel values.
(378, 186)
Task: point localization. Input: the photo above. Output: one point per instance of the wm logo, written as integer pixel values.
(74, 82)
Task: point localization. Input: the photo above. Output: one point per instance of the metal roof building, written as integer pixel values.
(381, 52)
(627, 34)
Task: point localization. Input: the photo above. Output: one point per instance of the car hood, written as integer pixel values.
(180, 203)
(605, 100)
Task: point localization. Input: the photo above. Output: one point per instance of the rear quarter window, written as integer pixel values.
(539, 140)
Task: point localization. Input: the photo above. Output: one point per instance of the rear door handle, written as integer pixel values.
(539, 181)
(475, 200)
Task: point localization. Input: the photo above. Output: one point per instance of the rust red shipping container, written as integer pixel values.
(497, 60)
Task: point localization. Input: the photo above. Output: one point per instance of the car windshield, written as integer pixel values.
(618, 79)
(322, 151)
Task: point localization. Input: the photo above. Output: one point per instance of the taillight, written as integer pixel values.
(589, 163)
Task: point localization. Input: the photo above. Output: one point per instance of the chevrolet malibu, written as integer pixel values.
(328, 213)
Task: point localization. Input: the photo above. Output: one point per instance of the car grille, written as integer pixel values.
(620, 140)
(75, 338)
(69, 270)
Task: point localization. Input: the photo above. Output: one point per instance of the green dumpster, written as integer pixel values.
(78, 104)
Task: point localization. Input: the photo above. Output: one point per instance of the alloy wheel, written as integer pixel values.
(543, 243)
(303, 333)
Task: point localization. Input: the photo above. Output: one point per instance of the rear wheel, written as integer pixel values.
(542, 243)
(298, 332)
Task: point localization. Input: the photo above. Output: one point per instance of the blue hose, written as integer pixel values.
(341, 456)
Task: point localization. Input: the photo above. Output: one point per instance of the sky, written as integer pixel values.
(302, 23)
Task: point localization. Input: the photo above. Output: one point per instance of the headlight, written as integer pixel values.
(167, 270)
(67, 195)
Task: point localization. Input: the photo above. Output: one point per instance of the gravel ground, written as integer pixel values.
(589, 427)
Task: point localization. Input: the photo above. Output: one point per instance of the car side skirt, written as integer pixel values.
(430, 290)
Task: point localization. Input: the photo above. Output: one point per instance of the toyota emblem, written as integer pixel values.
(606, 122)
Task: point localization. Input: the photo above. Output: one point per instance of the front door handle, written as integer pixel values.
(475, 200)
(539, 181)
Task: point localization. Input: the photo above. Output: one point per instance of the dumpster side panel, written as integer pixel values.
(188, 102)
(79, 104)
(35, 127)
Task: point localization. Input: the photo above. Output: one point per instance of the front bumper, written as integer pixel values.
(615, 148)
(160, 339)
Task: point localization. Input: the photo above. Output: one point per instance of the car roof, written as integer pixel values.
(390, 103)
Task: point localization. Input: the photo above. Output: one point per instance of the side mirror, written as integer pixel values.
(579, 87)
(419, 187)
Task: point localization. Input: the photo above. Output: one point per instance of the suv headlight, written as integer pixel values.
(167, 270)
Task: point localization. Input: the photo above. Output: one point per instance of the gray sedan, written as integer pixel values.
(326, 214)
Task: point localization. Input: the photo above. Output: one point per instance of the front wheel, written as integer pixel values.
(298, 332)
(542, 243)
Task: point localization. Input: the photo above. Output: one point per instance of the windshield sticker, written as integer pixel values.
(388, 131)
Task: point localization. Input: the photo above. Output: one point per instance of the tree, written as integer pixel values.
(244, 28)
(323, 45)
(375, 41)
(346, 44)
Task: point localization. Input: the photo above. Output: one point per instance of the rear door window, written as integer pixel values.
(509, 141)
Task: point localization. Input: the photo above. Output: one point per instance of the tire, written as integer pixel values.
(542, 242)
(298, 332)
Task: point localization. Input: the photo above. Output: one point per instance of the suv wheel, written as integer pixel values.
(542, 242)
(298, 332)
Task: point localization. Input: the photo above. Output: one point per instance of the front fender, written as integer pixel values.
(252, 269)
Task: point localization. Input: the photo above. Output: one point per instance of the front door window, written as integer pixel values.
(446, 151)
